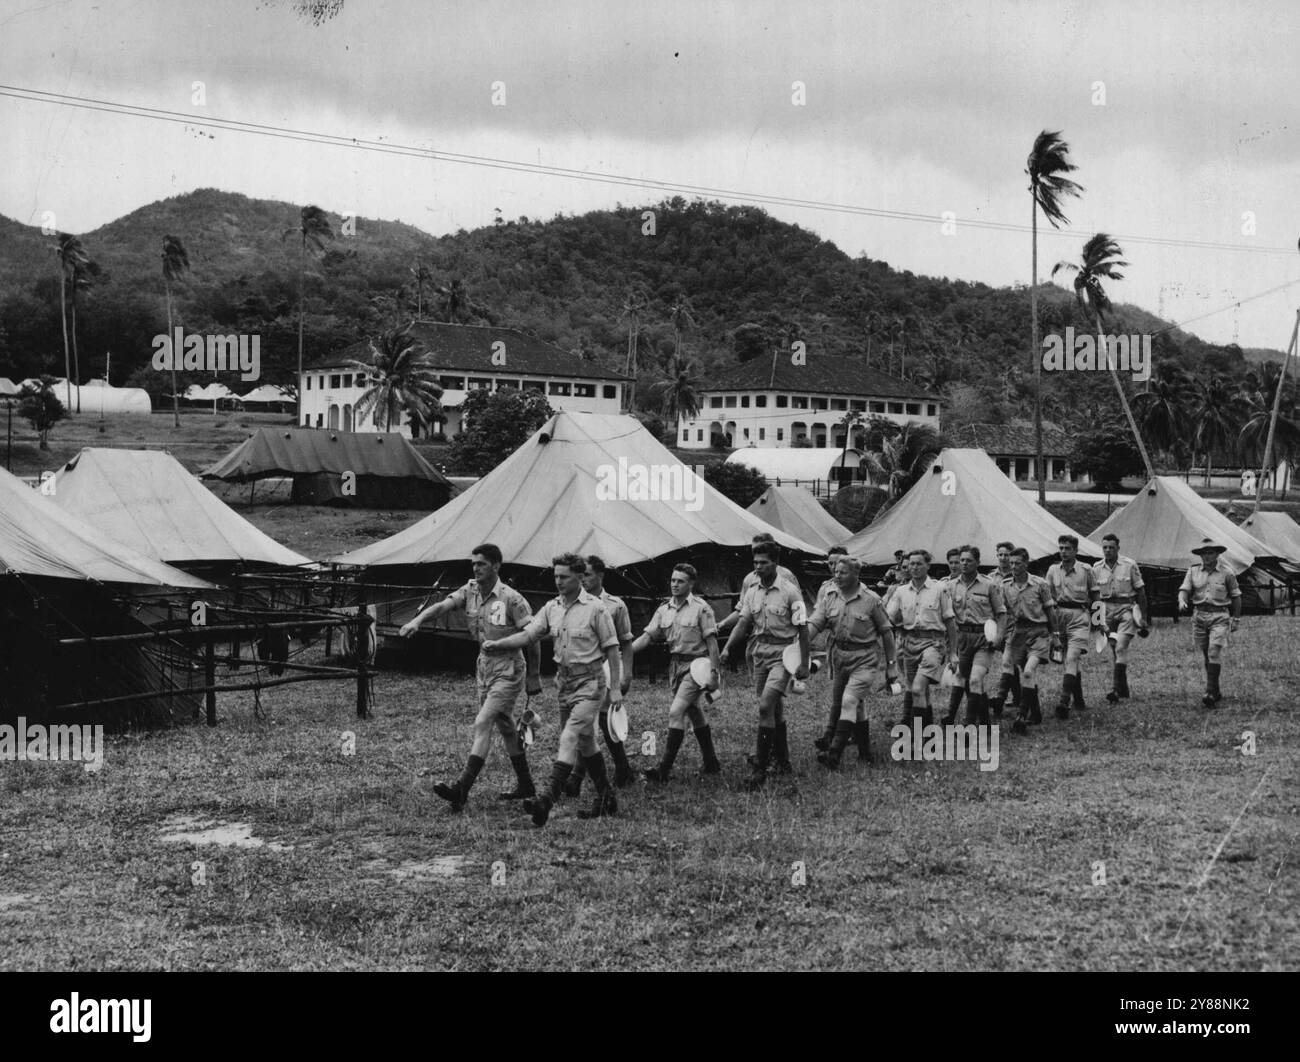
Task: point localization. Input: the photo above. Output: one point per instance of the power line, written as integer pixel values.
(541, 169)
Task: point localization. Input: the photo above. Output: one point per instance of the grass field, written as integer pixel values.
(350, 861)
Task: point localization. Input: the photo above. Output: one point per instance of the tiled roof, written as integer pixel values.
(1007, 440)
(822, 374)
(468, 348)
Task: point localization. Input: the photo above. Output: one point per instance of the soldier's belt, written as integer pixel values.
(1118, 600)
(1071, 604)
(971, 628)
(924, 632)
(772, 639)
(1024, 624)
(579, 669)
(1212, 608)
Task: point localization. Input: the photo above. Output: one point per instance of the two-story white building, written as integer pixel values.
(465, 358)
(765, 403)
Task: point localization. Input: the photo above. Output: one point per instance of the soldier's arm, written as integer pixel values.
(1185, 593)
(1230, 581)
(536, 629)
(447, 604)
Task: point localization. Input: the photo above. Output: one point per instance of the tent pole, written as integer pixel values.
(1272, 420)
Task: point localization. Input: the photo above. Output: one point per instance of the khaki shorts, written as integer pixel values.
(769, 672)
(1119, 618)
(684, 687)
(1211, 628)
(500, 681)
(1026, 641)
(973, 650)
(1076, 625)
(925, 653)
(856, 671)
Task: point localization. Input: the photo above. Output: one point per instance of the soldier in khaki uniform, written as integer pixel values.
(1009, 680)
(1074, 589)
(861, 643)
(492, 610)
(1119, 588)
(783, 574)
(975, 599)
(1211, 592)
(776, 613)
(686, 624)
(594, 583)
(832, 556)
(1033, 614)
(923, 608)
(583, 635)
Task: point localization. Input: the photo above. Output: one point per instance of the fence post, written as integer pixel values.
(362, 646)
(210, 680)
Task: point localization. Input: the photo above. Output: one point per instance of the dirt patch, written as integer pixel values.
(185, 829)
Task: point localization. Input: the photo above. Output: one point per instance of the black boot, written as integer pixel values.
(954, 703)
(1079, 704)
(1017, 690)
(907, 709)
(977, 709)
(862, 739)
(539, 807)
(999, 699)
(605, 802)
(831, 757)
(1113, 695)
(1063, 701)
(661, 770)
(1121, 681)
(623, 776)
(926, 714)
(1029, 695)
(781, 749)
(704, 736)
(824, 742)
(457, 793)
(1213, 695)
(523, 779)
(573, 787)
(758, 772)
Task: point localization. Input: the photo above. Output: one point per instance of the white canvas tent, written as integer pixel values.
(147, 500)
(267, 394)
(99, 397)
(964, 499)
(577, 484)
(796, 511)
(1279, 533)
(788, 465)
(208, 393)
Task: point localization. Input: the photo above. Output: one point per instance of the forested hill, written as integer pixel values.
(748, 280)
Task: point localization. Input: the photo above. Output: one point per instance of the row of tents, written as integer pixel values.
(98, 396)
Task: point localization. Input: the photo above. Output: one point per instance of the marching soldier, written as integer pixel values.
(783, 574)
(832, 555)
(1119, 587)
(1074, 589)
(775, 610)
(859, 628)
(1211, 591)
(685, 622)
(594, 583)
(582, 634)
(492, 610)
(1009, 681)
(894, 577)
(976, 599)
(1032, 613)
(923, 608)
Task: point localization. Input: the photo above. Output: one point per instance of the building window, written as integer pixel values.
(729, 402)
(686, 435)
(558, 388)
(535, 385)
(611, 391)
(859, 404)
(877, 407)
(347, 379)
(746, 433)
(798, 401)
(320, 420)
(780, 434)
(839, 403)
(306, 420)
(335, 379)
(744, 401)
(932, 410)
(715, 402)
(479, 383)
(308, 383)
(782, 401)
(361, 379)
(508, 383)
(914, 409)
(699, 435)
(453, 383)
(819, 403)
(762, 434)
(584, 390)
(760, 401)
(896, 407)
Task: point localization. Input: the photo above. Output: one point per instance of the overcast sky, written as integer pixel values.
(913, 108)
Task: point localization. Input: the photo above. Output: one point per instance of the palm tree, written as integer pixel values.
(175, 262)
(84, 275)
(1253, 436)
(633, 305)
(71, 255)
(680, 316)
(422, 276)
(679, 395)
(1102, 258)
(904, 457)
(1215, 409)
(399, 381)
(314, 228)
(1164, 411)
(1046, 167)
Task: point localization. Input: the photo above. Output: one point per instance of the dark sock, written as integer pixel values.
(596, 769)
(1017, 689)
(472, 766)
(704, 736)
(675, 739)
(862, 738)
(617, 750)
(560, 772)
(954, 702)
(781, 744)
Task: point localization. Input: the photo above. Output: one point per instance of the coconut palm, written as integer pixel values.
(1253, 437)
(633, 306)
(903, 458)
(399, 381)
(1215, 409)
(1046, 167)
(71, 254)
(1164, 411)
(313, 228)
(679, 395)
(681, 318)
(422, 276)
(1102, 258)
(175, 262)
(84, 275)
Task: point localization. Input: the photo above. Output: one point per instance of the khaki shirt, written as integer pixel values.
(783, 575)
(1121, 581)
(1216, 588)
(501, 613)
(1072, 587)
(823, 590)
(685, 628)
(1030, 600)
(618, 615)
(977, 601)
(925, 609)
(999, 576)
(776, 611)
(853, 621)
(581, 630)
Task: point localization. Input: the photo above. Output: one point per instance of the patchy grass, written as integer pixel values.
(908, 866)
